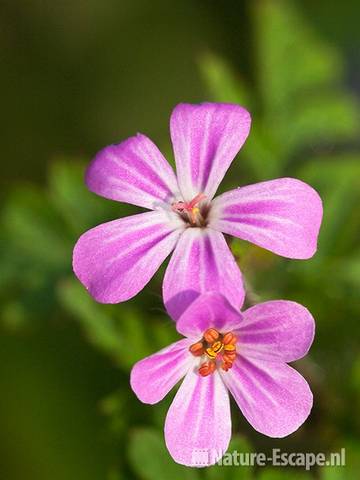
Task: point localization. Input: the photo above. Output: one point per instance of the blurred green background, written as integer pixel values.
(78, 75)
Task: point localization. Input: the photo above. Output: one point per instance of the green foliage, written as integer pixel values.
(221, 81)
(126, 334)
(338, 179)
(39, 229)
(150, 460)
(231, 470)
(79, 208)
(275, 474)
(297, 102)
(305, 125)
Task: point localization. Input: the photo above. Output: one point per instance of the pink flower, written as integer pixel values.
(116, 260)
(224, 350)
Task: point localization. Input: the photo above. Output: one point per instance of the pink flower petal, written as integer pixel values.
(208, 310)
(153, 377)
(133, 171)
(274, 398)
(206, 138)
(280, 330)
(282, 215)
(198, 423)
(116, 259)
(201, 262)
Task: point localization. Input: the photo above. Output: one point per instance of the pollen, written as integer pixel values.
(216, 350)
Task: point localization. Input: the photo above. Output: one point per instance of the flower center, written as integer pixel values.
(217, 349)
(193, 213)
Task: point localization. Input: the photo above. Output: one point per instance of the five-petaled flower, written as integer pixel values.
(225, 350)
(116, 259)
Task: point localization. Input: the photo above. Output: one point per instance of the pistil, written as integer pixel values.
(190, 211)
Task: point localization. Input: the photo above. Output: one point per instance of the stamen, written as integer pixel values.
(229, 357)
(226, 366)
(219, 349)
(210, 353)
(207, 368)
(191, 209)
(197, 349)
(211, 335)
(229, 338)
(229, 348)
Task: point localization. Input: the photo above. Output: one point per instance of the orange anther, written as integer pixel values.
(197, 349)
(229, 356)
(207, 368)
(210, 353)
(217, 346)
(229, 347)
(211, 335)
(226, 366)
(229, 338)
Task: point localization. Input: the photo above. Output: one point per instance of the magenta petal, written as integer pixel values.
(280, 330)
(153, 377)
(206, 138)
(133, 171)
(274, 398)
(201, 262)
(116, 259)
(208, 310)
(282, 215)
(198, 423)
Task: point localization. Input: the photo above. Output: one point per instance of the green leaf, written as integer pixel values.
(283, 474)
(300, 101)
(325, 116)
(94, 318)
(122, 332)
(35, 228)
(292, 60)
(150, 459)
(80, 208)
(337, 179)
(222, 83)
(264, 151)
